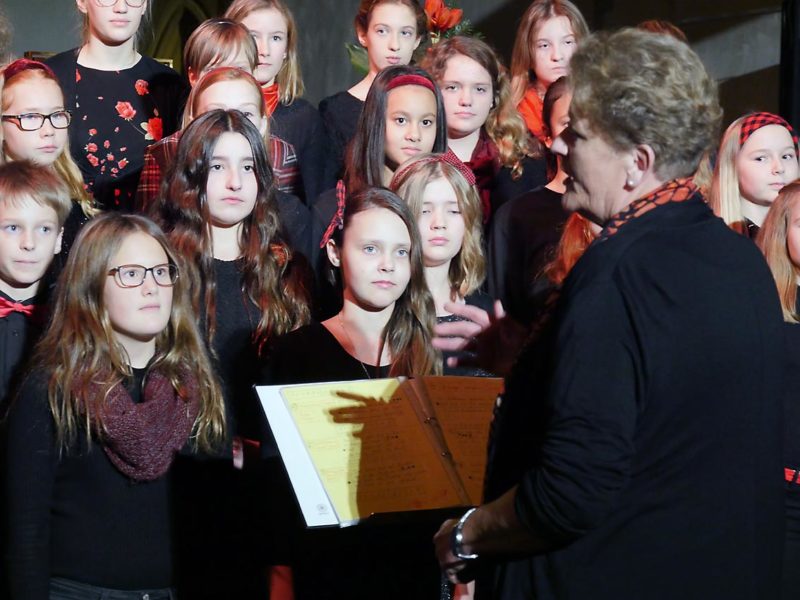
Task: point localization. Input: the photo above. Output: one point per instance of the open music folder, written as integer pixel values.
(353, 449)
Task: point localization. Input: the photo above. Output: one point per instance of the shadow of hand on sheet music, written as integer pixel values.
(374, 465)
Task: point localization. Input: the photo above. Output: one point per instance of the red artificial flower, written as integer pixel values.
(93, 160)
(125, 110)
(154, 128)
(91, 147)
(141, 87)
(441, 18)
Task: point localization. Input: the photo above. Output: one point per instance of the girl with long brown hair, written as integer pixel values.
(120, 382)
(383, 329)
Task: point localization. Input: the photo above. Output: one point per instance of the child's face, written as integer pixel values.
(33, 95)
(765, 163)
(29, 238)
(441, 224)
(271, 33)
(138, 314)
(559, 116)
(115, 24)
(236, 94)
(468, 95)
(231, 189)
(374, 259)
(553, 46)
(391, 36)
(410, 123)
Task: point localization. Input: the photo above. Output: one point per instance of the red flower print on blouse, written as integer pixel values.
(141, 87)
(77, 76)
(93, 160)
(154, 129)
(125, 110)
(106, 144)
(91, 147)
(123, 163)
(109, 156)
(93, 131)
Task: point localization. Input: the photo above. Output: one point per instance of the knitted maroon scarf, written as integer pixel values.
(141, 439)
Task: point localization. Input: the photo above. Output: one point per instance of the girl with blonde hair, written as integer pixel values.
(484, 128)
(121, 382)
(757, 157)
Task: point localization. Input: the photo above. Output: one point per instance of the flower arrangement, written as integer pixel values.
(444, 21)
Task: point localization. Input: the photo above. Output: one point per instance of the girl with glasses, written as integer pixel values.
(119, 385)
(121, 101)
(34, 127)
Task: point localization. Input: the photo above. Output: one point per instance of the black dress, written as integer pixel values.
(115, 116)
(300, 124)
(340, 113)
(791, 452)
(390, 561)
(642, 428)
(523, 237)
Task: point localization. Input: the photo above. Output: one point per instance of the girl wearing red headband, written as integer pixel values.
(757, 157)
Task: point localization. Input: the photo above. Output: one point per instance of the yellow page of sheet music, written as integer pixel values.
(463, 407)
(369, 448)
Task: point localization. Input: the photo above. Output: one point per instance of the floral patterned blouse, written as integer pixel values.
(115, 116)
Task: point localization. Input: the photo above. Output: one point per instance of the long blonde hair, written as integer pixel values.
(64, 165)
(468, 268)
(290, 77)
(504, 125)
(773, 241)
(79, 349)
(523, 58)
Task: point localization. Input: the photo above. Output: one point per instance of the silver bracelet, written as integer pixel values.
(457, 537)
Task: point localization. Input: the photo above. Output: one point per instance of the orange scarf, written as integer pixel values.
(271, 97)
(530, 107)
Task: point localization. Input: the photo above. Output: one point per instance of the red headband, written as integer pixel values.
(411, 79)
(448, 157)
(755, 121)
(24, 64)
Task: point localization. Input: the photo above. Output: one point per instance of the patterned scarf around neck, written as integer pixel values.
(141, 439)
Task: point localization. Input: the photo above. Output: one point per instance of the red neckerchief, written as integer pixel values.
(271, 95)
(677, 190)
(485, 163)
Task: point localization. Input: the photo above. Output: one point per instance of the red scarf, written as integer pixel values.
(271, 95)
(677, 190)
(485, 164)
(141, 439)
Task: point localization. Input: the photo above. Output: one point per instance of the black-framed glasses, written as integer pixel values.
(131, 3)
(34, 121)
(130, 276)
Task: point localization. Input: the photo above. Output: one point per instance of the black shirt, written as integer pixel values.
(340, 113)
(643, 429)
(75, 515)
(524, 235)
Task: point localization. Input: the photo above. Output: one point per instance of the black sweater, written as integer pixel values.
(340, 113)
(76, 516)
(644, 432)
(299, 124)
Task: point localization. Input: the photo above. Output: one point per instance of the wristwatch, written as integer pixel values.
(457, 537)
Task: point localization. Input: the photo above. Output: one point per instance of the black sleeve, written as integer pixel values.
(589, 445)
(30, 468)
(317, 166)
(497, 263)
(294, 222)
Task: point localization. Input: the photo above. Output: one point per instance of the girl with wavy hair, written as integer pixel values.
(293, 119)
(547, 36)
(758, 155)
(120, 383)
(390, 31)
(121, 101)
(484, 128)
(34, 127)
